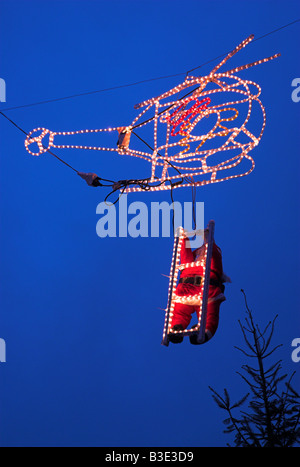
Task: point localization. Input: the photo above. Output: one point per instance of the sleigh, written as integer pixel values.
(200, 299)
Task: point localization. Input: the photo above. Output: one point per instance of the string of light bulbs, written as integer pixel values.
(199, 299)
(179, 117)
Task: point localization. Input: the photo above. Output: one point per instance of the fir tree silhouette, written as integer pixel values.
(273, 414)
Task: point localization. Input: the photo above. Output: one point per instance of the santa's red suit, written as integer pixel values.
(183, 313)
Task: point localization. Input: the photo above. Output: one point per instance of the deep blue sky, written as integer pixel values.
(80, 315)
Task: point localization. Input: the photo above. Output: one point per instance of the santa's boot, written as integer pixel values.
(194, 337)
(176, 338)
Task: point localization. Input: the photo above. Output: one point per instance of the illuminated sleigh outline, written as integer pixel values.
(202, 298)
(180, 119)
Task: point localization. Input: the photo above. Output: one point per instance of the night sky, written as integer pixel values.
(82, 316)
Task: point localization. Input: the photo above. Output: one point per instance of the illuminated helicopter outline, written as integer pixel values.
(181, 117)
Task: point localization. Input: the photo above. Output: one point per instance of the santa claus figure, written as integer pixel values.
(190, 284)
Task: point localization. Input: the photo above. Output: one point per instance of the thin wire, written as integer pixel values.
(25, 133)
(11, 121)
(92, 92)
(254, 40)
(164, 110)
(119, 185)
(165, 160)
(124, 183)
(142, 81)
